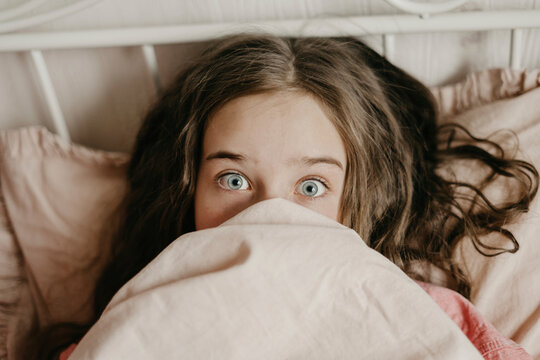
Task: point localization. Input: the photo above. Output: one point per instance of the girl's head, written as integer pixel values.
(277, 144)
(325, 122)
(315, 106)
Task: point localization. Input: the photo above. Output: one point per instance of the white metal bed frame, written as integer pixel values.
(422, 18)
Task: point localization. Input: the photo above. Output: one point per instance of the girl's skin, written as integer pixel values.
(269, 145)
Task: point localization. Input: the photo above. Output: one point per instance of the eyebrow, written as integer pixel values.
(306, 160)
(321, 160)
(226, 155)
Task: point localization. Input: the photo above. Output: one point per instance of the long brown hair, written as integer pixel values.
(394, 196)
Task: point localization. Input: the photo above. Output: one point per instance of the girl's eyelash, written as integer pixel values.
(228, 172)
(318, 178)
(322, 181)
(307, 178)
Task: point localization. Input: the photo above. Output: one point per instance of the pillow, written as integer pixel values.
(505, 288)
(58, 196)
(10, 276)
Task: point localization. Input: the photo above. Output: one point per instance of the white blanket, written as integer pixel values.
(277, 281)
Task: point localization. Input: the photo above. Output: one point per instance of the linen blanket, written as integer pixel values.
(277, 281)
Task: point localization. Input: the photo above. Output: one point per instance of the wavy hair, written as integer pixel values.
(394, 196)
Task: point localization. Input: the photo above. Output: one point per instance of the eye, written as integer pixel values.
(233, 181)
(312, 188)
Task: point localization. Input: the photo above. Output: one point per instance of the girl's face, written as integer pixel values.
(269, 145)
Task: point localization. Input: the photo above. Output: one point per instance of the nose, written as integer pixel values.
(274, 192)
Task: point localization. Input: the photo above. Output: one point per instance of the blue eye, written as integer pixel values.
(233, 182)
(311, 188)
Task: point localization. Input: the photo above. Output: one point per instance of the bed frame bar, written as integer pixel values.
(146, 37)
(326, 27)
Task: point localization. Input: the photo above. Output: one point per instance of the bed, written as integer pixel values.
(68, 124)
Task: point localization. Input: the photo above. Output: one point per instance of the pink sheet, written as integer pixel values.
(278, 281)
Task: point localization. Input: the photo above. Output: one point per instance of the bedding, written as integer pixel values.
(55, 198)
(71, 192)
(505, 288)
(486, 339)
(277, 281)
(58, 196)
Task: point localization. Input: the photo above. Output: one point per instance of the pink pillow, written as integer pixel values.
(505, 288)
(58, 196)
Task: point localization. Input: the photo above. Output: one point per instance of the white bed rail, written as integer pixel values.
(50, 95)
(146, 37)
(333, 26)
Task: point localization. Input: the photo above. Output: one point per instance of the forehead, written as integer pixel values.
(287, 123)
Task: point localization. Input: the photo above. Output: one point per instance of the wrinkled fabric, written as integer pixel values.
(485, 338)
(483, 335)
(277, 281)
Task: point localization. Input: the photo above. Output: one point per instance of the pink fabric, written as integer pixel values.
(276, 281)
(58, 196)
(65, 354)
(489, 342)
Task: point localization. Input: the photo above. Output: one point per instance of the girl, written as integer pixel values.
(335, 127)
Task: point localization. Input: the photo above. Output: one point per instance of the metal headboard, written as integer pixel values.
(419, 18)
